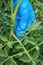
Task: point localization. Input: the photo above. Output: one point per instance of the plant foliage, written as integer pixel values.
(28, 50)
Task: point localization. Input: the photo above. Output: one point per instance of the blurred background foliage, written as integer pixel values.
(13, 52)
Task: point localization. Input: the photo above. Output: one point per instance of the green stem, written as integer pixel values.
(11, 7)
(13, 16)
(21, 53)
(24, 50)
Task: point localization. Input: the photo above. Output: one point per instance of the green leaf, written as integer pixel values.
(3, 53)
(1, 46)
(11, 62)
(33, 54)
(34, 26)
(9, 44)
(29, 40)
(3, 38)
(18, 47)
(37, 48)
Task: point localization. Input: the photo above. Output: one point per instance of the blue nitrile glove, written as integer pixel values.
(15, 3)
(24, 18)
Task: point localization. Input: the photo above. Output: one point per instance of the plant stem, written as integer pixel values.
(13, 16)
(20, 53)
(24, 50)
(11, 7)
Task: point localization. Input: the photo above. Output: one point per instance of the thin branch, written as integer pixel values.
(13, 17)
(24, 50)
(20, 53)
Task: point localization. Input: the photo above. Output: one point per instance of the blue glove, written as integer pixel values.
(24, 18)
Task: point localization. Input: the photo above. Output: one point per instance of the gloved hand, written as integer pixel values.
(24, 18)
